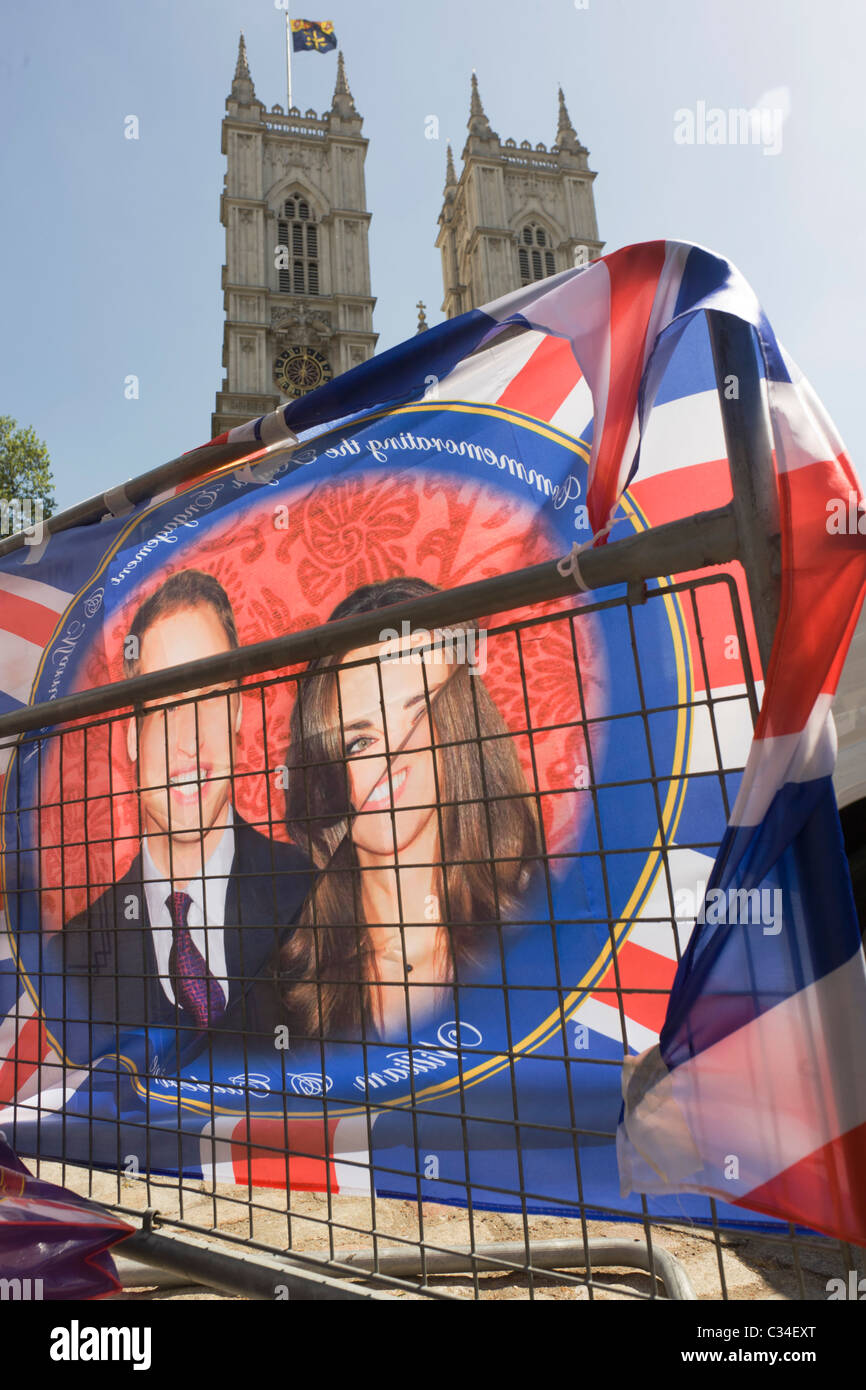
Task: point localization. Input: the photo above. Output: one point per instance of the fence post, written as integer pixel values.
(753, 476)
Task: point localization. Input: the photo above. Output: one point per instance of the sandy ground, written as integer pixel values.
(729, 1265)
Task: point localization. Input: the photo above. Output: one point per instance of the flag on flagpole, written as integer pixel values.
(316, 35)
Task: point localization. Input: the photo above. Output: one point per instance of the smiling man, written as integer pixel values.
(197, 916)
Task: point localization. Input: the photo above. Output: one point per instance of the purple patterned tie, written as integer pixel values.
(195, 988)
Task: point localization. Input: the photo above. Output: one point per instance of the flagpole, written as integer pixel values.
(288, 59)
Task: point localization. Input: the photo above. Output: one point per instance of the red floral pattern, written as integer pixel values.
(284, 573)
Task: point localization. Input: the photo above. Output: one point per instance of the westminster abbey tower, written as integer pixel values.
(296, 282)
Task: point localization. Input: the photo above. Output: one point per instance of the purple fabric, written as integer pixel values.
(52, 1242)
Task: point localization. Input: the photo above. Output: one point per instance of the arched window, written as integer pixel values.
(535, 256)
(297, 230)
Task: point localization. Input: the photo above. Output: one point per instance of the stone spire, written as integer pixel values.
(342, 87)
(478, 123)
(242, 86)
(475, 107)
(566, 135)
(450, 176)
(450, 190)
(243, 68)
(343, 102)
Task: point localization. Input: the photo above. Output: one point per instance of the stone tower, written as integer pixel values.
(516, 214)
(296, 282)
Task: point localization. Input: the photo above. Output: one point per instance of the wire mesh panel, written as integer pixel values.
(341, 963)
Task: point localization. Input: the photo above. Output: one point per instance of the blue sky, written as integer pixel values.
(112, 248)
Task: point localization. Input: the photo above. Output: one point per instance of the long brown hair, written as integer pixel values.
(488, 831)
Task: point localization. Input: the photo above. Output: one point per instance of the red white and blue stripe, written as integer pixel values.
(749, 1087)
(755, 1092)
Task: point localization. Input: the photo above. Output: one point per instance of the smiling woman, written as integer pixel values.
(406, 790)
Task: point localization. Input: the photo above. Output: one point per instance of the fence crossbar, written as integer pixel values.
(693, 543)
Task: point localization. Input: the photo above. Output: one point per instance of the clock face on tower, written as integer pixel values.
(300, 369)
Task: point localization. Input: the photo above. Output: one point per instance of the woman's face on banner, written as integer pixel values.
(387, 737)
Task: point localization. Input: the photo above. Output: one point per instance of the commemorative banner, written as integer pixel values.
(441, 886)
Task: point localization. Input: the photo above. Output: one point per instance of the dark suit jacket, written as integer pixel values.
(100, 973)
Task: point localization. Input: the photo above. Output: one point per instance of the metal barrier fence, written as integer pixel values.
(390, 724)
(355, 719)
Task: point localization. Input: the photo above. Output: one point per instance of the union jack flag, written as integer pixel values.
(777, 1079)
(770, 1076)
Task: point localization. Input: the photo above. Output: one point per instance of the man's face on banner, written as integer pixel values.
(393, 715)
(185, 753)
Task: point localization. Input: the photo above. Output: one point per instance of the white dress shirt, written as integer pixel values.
(206, 917)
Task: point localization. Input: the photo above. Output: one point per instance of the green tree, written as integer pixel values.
(25, 468)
